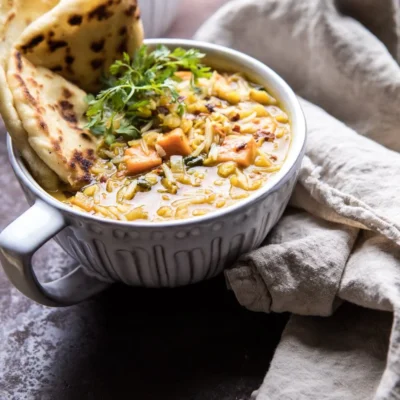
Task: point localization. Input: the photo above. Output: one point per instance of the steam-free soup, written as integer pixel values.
(180, 145)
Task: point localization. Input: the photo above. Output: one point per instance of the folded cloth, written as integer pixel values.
(298, 269)
(341, 242)
(341, 357)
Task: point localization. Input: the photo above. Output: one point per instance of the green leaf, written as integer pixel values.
(95, 107)
(150, 75)
(109, 139)
(166, 73)
(128, 129)
(140, 57)
(132, 82)
(178, 52)
(138, 104)
(114, 68)
(98, 130)
(118, 99)
(181, 109)
(89, 98)
(194, 161)
(126, 58)
(143, 184)
(160, 52)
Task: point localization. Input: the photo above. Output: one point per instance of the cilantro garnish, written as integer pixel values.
(127, 101)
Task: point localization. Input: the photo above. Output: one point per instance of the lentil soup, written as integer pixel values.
(199, 141)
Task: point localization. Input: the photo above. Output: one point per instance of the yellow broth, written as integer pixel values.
(228, 105)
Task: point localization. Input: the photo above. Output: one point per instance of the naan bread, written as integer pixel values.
(79, 39)
(15, 16)
(43, 112)
(52, 112)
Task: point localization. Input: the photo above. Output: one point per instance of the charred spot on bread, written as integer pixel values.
(69, 59)
(57, 68)
(32, 82)
(131, 10)
(97, 46)
(18, 59)
(66, 93)
(79, 158)
(27, 93)
(90, 153)
(97, 63)
(123, 46)
(32, 43)
(86, 137)
(43, 126)
(67, 111)
(75, 19)
(66, 105)
(100, 12)
(84, 161)
(56, 44)
(56, 145)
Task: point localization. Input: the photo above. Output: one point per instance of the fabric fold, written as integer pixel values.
(350, 175)
(337, 358)
(298, 269)
(341, 56)
(372, 279)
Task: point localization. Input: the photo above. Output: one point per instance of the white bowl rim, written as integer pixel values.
(296, 150)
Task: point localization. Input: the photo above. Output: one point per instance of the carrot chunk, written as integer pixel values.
(138, 161)
(241, 149)
(184, 75)
(175, 143)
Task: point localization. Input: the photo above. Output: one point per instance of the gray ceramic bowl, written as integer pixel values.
(161, 254)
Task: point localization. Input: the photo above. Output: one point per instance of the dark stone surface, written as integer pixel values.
(189, 343)
(192, 343)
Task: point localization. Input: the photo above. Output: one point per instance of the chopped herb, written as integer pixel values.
(143, 184)
(132, 82)
(129, 130)
(194, 161)
(181, 109)
(109, 139)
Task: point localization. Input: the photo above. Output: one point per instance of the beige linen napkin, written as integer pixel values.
(341, 241)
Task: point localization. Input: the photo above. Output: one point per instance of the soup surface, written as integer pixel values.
(203, 141)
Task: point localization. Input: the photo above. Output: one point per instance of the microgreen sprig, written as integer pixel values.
(124, 105)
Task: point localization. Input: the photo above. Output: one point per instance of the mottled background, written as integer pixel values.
(182, 344)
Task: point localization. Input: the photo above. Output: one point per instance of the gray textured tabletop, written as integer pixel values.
(187, 343)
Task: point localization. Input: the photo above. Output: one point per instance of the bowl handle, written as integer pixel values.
(21, 239)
